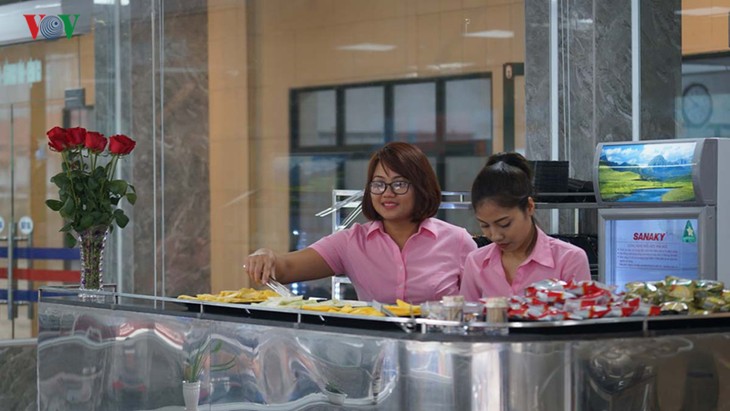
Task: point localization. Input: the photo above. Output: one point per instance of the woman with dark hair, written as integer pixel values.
(401, 253)
(520, 253)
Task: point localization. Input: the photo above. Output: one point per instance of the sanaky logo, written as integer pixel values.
(50, 26)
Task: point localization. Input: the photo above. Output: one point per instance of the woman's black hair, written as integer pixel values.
(506, 180)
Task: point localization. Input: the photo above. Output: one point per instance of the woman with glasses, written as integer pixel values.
(520, 253)
(401, 253)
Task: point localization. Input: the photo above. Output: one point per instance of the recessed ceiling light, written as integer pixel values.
(449, 66)
(492, 34)
(705, 11)
(367, 47)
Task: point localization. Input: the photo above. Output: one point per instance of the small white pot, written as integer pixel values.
(191, 395)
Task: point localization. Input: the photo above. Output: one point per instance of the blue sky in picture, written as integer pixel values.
(643, 154)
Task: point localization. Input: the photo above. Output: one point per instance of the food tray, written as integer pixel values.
(295, 315)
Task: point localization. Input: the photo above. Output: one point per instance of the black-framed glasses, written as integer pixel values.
(398, 187)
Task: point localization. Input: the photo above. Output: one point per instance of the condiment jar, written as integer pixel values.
(496, 310)
(453, 307)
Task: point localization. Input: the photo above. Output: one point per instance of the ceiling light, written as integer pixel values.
(449, 66)
(492, 34)
(705, 11)
(367, 47)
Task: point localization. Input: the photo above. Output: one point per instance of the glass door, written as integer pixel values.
(43, 84)
(16, 225)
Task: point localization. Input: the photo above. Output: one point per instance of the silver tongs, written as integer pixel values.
(279, 288)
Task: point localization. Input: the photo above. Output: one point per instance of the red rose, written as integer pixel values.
(76, 136)
(58, 139)
(121, 144)
(95, 142)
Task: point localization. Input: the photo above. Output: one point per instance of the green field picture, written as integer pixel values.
(647, 172)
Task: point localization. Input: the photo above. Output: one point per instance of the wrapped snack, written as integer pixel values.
(599, 298)
(549, 296)
(674, 307)
(618, 310)
(635, 287)
(708, 288)
(632, 300)
(519, 313)
(587, 287)
(711, 304)
(650, 292)
(680, 293)
(672, 280)
(552, 285)
(549, 315)
(595, 311)
(646, 310)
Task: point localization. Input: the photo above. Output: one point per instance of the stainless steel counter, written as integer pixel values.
(126, 353)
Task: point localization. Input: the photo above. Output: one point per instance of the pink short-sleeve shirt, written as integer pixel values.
(429, 266)
(484, 274)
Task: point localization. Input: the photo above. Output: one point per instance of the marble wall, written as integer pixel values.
(18, 390)
(594, 80)
(164, 93)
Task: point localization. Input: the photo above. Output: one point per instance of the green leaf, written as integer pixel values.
(70, 240)
(132, 198)
(60, 180)
(118, 187)
(68, 209)
(66, 228)
(122, 219)
(54, 205)
(86, 222)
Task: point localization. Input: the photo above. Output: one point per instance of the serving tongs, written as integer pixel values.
(279, 288)
(381, 307)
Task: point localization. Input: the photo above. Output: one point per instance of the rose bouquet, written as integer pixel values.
(88, 193)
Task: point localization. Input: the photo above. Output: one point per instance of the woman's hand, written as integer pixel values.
(260, 266)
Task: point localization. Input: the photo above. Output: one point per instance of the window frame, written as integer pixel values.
(440, 149)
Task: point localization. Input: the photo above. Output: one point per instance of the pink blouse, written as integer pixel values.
(484, 274)
(429, 266)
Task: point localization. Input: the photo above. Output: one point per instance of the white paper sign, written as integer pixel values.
(2, 224)
(25, 225)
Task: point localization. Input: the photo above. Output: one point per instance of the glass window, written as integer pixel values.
(313, 180)
(364, 116)
(316, 117)
(704, 104)
(468, 110)
(460, 173)
(414, 112)
(356, 174)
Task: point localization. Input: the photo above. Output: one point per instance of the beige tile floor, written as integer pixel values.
(22, 324)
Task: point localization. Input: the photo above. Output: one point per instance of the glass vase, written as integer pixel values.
(92, 242)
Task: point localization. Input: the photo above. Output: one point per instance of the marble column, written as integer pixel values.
(594, 79)
(164, 93)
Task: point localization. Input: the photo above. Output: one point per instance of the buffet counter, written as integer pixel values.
(112, 351)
